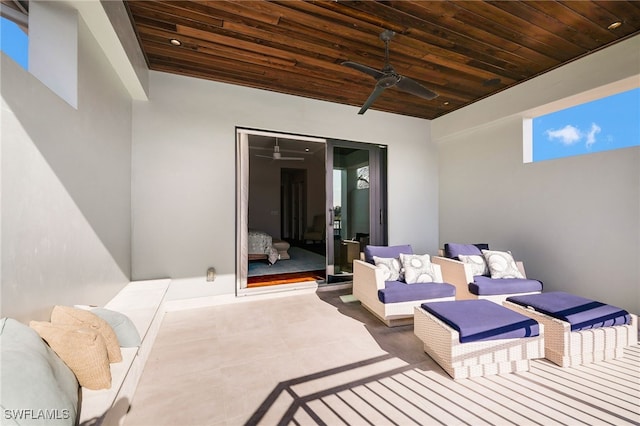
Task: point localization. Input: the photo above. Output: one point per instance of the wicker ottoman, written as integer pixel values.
(493, 340)
(604, 334)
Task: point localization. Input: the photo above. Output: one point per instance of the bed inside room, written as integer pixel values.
(261, 247)
(274, 261)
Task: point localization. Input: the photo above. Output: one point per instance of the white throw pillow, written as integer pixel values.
(501, 264)
(391, 267)
(417, 268)
(477, 263)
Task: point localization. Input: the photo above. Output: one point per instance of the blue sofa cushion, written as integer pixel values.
(485, 286)
(452, 250)
(398, 291)
(385, 251)
(479, 320)
(578, 311)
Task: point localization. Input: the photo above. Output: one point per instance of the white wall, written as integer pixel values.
(575, 221)
(184, 189)
(66, 190)
(53, 48)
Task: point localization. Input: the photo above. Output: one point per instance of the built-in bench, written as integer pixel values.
(142, 302)
(41, 373)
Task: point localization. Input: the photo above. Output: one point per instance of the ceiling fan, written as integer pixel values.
(276, 155)
(388, 77)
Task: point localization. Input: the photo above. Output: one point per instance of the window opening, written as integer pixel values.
(14, 37)
(604, 124)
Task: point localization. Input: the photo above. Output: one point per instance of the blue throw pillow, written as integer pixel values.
(126, 331)
(37, 387)
(453, 250)
(385, 252)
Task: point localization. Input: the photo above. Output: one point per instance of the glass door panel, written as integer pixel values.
(354, 204)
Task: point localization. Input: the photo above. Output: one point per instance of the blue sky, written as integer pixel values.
(14, 42)
(608, 123)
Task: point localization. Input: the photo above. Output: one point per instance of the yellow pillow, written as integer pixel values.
(82, 349)
(81, 317)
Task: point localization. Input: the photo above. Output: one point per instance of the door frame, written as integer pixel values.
(242, 203)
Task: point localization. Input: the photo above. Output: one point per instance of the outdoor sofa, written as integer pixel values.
(480, 273)
(389, 296)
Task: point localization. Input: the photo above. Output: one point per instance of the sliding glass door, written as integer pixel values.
(327, 197)
(356, 204)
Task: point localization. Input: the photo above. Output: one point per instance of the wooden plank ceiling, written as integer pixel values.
(462, 50)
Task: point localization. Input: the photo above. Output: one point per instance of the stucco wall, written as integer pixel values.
(575, 222)
(66, 188)
(184, 171)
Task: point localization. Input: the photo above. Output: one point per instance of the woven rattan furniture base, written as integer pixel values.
(474, 359)
(568, 348)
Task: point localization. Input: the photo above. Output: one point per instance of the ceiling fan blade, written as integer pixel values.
(372, 97)
(364, 68)
(411, 86)
(289, 151)
(277, 154)
(296, 151)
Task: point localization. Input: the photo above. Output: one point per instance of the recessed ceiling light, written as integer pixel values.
(445, 103)
(491, 82)
(614, 25)
(175, 42)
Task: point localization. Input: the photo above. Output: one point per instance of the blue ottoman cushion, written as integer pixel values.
(485, 286)
(398, 291)
(580, 312)
(479, 320)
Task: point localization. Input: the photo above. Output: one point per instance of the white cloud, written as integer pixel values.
(591, 135)
(570, 135)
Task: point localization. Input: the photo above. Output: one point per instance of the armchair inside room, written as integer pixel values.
(318, 229)
(480, 273)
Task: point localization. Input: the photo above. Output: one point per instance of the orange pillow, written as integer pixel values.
(82, 349)
(82, 318)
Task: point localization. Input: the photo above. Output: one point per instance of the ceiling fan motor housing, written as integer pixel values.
(388, 81)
